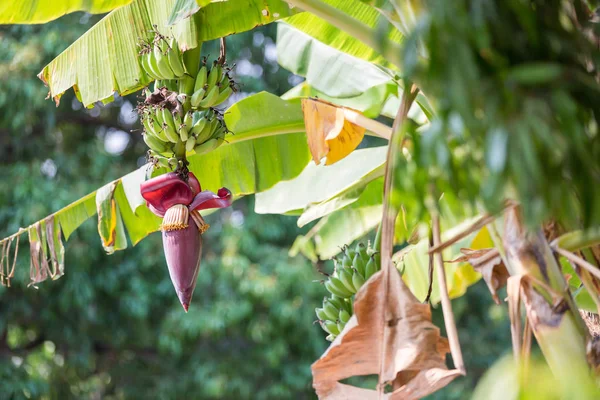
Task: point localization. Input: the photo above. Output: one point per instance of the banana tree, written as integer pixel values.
(490, 115)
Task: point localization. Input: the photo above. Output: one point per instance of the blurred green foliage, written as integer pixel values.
(112, 326)
(515, 87)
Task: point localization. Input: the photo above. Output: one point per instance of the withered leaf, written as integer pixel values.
(56, 249)
(414, 358)
(328, 132)
(489, 263)
(38, 270)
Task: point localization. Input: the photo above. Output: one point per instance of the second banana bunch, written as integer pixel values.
(351, 271)
(179, 115)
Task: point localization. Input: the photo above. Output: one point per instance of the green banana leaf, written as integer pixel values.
(42, 11)
(267, 147)
(340, 40)
(105, 59)
(319, 183)
(185, 9)
(328, 70)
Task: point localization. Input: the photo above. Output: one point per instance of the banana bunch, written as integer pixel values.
(166, 131)
(212, 87)
(351, 271)
(162, 59)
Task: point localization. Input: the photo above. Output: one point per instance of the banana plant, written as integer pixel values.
(490, 113)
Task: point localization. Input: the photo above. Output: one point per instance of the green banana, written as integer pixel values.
(344, 316)
(336, 287)
(146, 67)
(187, 120)
(186, 85)
(177, 119)
(321, 314)
(223, 95)
(205, 133)
(162, 64)
(345, 277)
(167, 116)
(359, 264)
(154, 143)
(370, 268)
(331, 327)
(184, 134)
(213, 76)
(357, 280)
(190, 143)
(349, 252)
(174, 57)
(201, 79)
(199, 126)
(197, 97)
(347, 261)
(330, 310)
(209, 99)
(362, 250)
(171, 134)
(151, 64)
(207, 146)
(341, 325)
(338, 302)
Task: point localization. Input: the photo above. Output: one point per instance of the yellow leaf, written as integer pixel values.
(328, 132)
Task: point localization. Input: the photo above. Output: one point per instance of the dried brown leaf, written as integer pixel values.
(328, 132)
(56, 248)
(414, 361)
(489, 263)
(38, 270)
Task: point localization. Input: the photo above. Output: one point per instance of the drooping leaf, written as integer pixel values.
(105, 59)
(110, 223)
(76, 213)
(328, 70)
(56, 249)
(319, 183)
(38, 270)
(329, 133)
(338, 39)
(42, 11)
(415, 352)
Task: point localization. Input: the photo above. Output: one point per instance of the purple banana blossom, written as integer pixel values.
(178, 203)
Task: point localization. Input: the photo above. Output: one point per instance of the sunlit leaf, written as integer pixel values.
(328, 70)
(338, 39)
(110, 224)
(42, 11)
(318, 183)
(105, 59)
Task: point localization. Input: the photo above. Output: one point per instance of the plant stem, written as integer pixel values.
(390, 50)
(379, 129)
(577, 240)
(445, 299)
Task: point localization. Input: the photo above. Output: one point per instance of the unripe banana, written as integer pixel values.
(210, 98)
(330, 338)
(331, 327)
(344, 316)
(197, 97)
(346, 278)
(338, 302)
(177, 119)
(188, 120)
(335, 286)
(201, 79)
(330, 310)
(151, 64)
(349, 252)
(321, 314)
(370, 268)
(162, 64)
(206, 133)
(213, 76)
(170, 133)
(341, 325)
(174, 57)
(199, 126)
(146, 66)
(357, 280)
(190, 144)
(359, 264)
(362, 250)
(154, 143)
(167, 116)
(223, 95)
(207, 146)
(346, 261)
(184, 134)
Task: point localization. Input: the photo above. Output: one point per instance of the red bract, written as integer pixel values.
(178, 203)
